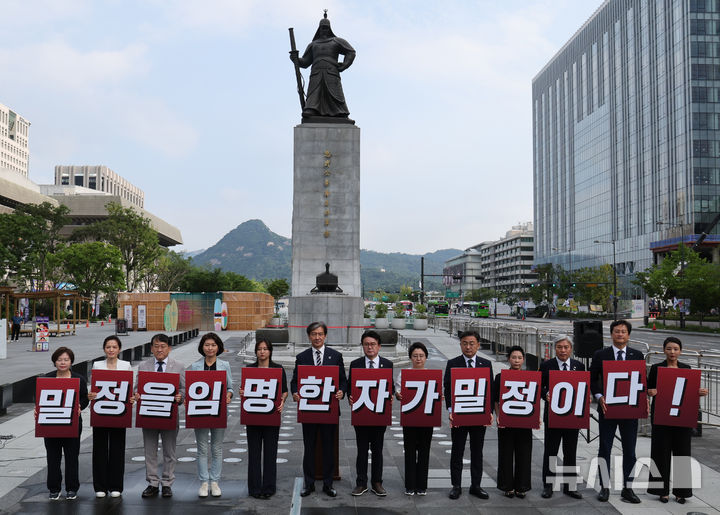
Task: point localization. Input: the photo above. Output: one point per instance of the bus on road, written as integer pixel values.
(439, 308)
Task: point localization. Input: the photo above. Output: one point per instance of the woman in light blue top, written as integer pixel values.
(210, 347)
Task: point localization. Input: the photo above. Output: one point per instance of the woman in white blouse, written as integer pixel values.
(108, 461)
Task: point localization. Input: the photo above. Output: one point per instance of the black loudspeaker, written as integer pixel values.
(588, 337)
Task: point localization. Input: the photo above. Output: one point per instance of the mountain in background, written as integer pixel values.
(253, 250)
(191, 253)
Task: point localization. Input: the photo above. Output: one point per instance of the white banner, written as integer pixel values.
(142, 320)
(128, 316)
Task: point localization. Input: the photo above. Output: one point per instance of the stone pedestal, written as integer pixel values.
(341, 313)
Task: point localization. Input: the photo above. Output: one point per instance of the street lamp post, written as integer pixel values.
(615, 298)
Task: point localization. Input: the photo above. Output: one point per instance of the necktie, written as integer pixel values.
(160, 366)
(318, 358)
(372, 364)
(470, 363)
(564, 366)
(621, 355)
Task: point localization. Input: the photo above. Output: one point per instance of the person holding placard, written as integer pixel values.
(63, 359)
(108, 459)
(263, 440)
(210, 347)
(670, 442)
(514, 443)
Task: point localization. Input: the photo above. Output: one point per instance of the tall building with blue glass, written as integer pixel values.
(626, 137)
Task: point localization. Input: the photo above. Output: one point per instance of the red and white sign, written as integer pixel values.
(56, 404)
(569, 405)
(677, 401)
(625, 388)
(371, 391)
(421, 399)
(262, 391)
(519, 399)
(111, 407)
(471, 401)
(317, 387)
(156, 408)
(205, 399)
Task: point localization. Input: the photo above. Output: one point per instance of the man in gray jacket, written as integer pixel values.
(161, 362)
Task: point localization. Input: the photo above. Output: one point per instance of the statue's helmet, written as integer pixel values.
(327, 32)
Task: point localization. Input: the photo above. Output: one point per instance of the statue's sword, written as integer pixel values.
(294, 53)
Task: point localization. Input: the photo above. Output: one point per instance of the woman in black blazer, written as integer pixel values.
(669, 441)
(263, 440)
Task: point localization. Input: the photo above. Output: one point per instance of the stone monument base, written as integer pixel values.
(341, 313)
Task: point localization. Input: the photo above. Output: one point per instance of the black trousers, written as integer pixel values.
(262, 452)
(55, 448)
(477, 440)
(416, 442)
(628, 436)
(108, 459)
(327, 436)
(667, 445)
(369, 437)
(15, 332)
(553, 438)
(514, 459)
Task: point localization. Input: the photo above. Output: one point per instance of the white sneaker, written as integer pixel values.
(99, 495)
(215, 489)
(115, 493)
(203, 492)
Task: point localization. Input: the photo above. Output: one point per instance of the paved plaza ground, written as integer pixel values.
(23, 472)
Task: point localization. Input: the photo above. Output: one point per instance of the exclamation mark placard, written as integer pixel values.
(677, 396)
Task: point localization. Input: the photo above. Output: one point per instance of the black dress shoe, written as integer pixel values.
(256, 496)
(478, 492)
(166, 491)
(455, 492)
(604, 495)
(150, 491)
(329, 491)
(307, 491)
(547, 492)
(573, 493)
(628, 495)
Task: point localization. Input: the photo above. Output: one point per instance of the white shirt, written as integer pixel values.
(322, 354)
(375, 362)
(560, 363)
(617, 349)
(121, 365)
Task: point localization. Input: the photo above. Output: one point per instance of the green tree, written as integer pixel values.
(594, 285)
(277, 288)
(406, 292)
(92, 267)
(167, 271)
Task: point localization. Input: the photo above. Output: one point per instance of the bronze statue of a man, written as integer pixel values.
(325, 96)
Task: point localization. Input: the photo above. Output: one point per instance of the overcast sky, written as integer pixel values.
(195, 102)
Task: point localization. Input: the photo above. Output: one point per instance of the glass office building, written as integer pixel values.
(626, 137)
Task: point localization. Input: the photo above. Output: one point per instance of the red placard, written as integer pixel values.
(519, 399)
(471, 400)
(317, 387)
(625, 388)
(205, 399)
(569, 405)
(156, 408)
(371, 391)
(56, 405)
(111, 407)
(677, 401)
(262, 391)
(421, 399)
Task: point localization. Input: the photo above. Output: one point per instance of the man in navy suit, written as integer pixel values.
(569, 437)
(469, 344)
(370, 436)
(620, 335)
(319, 354)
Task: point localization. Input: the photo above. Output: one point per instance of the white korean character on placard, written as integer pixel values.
(430, 397)
(469, 396)
(522, 395)
(366, 386)
(636, 386)
(111, 397)
(204, 401)
(56, 407)
(312, 388)
(260, 395)
(570, 397)
(157, 400)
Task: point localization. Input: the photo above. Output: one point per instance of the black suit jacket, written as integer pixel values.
(652, 381)
(330, 357)
(545, 368)
(461, 362)
(607, 354)
(360, 363)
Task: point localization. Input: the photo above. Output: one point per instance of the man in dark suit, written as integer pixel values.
(469, 344)
(620, 335)
(319, 354)
(569, 437)
(369, 436)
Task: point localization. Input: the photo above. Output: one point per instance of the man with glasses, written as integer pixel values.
(369, 436)
(161, 362)
(319, 354)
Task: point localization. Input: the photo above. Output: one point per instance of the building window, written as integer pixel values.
(65, 180)
(79, 179)
(92, 182)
